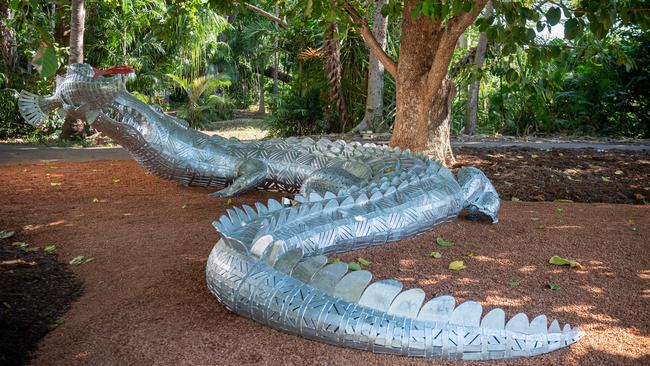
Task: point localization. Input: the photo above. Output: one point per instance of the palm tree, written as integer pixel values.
(196, 90)
(71, 126)
(333, 72)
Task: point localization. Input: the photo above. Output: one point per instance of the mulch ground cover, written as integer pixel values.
(579, 175)
(145, 299)
(36, 289)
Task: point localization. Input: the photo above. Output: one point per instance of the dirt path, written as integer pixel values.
(26, 154)
(146, 302)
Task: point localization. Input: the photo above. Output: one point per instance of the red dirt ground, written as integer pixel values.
(146, 301)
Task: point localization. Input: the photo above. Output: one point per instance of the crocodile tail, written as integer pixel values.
(328, 302)
(479, 196)
(35, 108)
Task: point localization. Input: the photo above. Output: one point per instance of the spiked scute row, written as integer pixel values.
(271, 264)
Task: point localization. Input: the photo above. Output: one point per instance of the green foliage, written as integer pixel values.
(203, 106)
(594, 81)
(299, 112)
(11, 123)
(47, 60)
(594, 86)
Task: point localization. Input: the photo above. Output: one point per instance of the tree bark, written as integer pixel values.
(333, 73)
(71, 126)
(77, 26)
(276, 61)
(262, 109)
(375, 95)
(440, 123)
(7, 38)
(423, 83)
(471, 116)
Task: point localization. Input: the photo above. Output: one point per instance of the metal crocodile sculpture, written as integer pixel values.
(270, 264)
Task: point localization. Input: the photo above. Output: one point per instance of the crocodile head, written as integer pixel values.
(84, 90)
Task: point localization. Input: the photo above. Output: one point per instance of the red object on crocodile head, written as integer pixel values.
(115, 70)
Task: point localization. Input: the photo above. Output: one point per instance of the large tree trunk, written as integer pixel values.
(375, 96)
(7, 38)
(423, 84)
(333, 73)
(440, 123)
(471, 115)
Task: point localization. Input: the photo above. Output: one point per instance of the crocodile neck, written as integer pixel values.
(166, 147)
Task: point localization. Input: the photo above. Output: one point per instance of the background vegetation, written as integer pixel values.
(203, 62)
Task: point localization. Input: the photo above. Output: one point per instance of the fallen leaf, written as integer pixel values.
(535, 218)
(519, 157)
(28, 227)
(50, 249)
(55, 184)
(618, 172)
(457, 265)
(553, 286)
(515, 283)
(95, 200)
(354, 266)
(405, 270)
(559, 261)
(115, 180)
(333, 260)
(444, 243)
(6, 305)
(534, 156)
(80, 259)
(25, 247)
(5, 234)
(492, 230)
(469, 253)
(539, 197)
(185, 205)
(229, 201)
(605, 179)
(59, 321)
(515, 199)
(507, 183)
(364, 262)
(559, 210)
(435, 255)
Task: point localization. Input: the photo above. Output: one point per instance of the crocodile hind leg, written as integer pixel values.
(332, 179)
(250, 173)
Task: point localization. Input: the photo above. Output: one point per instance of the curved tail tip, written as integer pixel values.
(30, 108)
(480, 197)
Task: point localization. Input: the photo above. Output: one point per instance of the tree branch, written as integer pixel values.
(457, 24)
(266, 14)
(455, 27)
(282, 76)
(369, 39)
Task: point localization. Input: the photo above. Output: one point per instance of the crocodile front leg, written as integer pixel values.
(249, 174)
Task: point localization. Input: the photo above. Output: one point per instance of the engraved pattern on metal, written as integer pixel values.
(270, 264)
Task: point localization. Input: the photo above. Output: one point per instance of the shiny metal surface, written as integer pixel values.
(271, 264)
